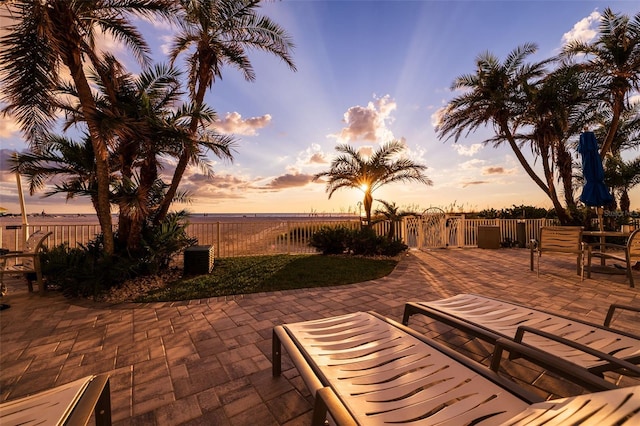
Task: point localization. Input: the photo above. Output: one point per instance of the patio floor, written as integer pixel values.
(208, 361)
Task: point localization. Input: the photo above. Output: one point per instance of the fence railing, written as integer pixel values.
(292, 236)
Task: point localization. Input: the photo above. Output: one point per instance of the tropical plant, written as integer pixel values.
(612, 61)
(71, 163)
(555, 114)
(353, 170)
(622, 175)
(392, 214)
(514, 96)
(216, 33)
(45, 35)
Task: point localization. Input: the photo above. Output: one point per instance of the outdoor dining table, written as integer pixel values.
(603, 237)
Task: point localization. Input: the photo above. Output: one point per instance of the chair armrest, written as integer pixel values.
(613, 307)
(565, 369)
(17, 255)
(605, 245)
(620, 363)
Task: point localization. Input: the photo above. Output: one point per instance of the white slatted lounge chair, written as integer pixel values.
(596, 348)
(71, 404)
(365, 369)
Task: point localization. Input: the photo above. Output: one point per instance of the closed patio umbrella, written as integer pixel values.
(594, 193)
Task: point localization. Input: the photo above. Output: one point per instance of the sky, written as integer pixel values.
(367, 72)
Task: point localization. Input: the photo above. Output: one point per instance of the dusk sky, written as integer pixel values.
(368, 72)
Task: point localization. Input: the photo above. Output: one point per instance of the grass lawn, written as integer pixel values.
(242, 275)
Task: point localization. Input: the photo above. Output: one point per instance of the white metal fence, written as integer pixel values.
(292, 236)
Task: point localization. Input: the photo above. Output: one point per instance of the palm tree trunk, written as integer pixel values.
(185, 155)
(103, 210)
(553, 195)
(618, 107)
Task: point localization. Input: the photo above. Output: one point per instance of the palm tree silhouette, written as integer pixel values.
(353, 170)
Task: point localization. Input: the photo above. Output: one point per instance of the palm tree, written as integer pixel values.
(622, 175)
(494, 95)
(393, 214)
(555, 113)
(71, 163)
(353, 170)
(512, 96)
(46, 34)
(218, 33)
(613, 61)
(143, 116)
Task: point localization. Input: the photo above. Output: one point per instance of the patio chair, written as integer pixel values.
(70, 404)
(559, 239)
(25, 262)
(596, 348)
(365, 369)
(627, 254)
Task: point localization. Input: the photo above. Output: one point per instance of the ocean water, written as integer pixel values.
(85, 219)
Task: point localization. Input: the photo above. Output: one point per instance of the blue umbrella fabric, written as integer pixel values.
(594, 193)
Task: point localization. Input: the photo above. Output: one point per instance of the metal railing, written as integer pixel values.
(292, 236)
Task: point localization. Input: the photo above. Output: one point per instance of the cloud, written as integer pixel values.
(289, 180)
(234, 123)
(497, 171)
(312, 156)
(584, 30)
(474, 182)
(438, 117)
(471, 164)
(8, 127)
(467, 151)
(368, 123)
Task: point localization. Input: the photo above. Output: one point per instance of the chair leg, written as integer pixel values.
(41, 285)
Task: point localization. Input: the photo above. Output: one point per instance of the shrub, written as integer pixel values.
(86, 271)
(331, 239)
(363, 242)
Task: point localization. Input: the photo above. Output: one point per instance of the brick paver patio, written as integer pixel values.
(208, 361)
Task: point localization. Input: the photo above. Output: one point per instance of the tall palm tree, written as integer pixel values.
(47, 34)
(512, 97)
(144, 115)
(613, 60)
(555, 113)
(367, 174)
(216, 33)
(494, 96)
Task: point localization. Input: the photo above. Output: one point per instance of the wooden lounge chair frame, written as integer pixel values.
(363, 368)
(559, 239)
(70, 404)
(26, 261)
(625, 254)
(596, 348)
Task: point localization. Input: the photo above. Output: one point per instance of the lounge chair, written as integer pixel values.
(25, 262)
(596, 348)
(365, 369)
(70, 404)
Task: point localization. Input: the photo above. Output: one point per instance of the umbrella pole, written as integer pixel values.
(600, 211)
